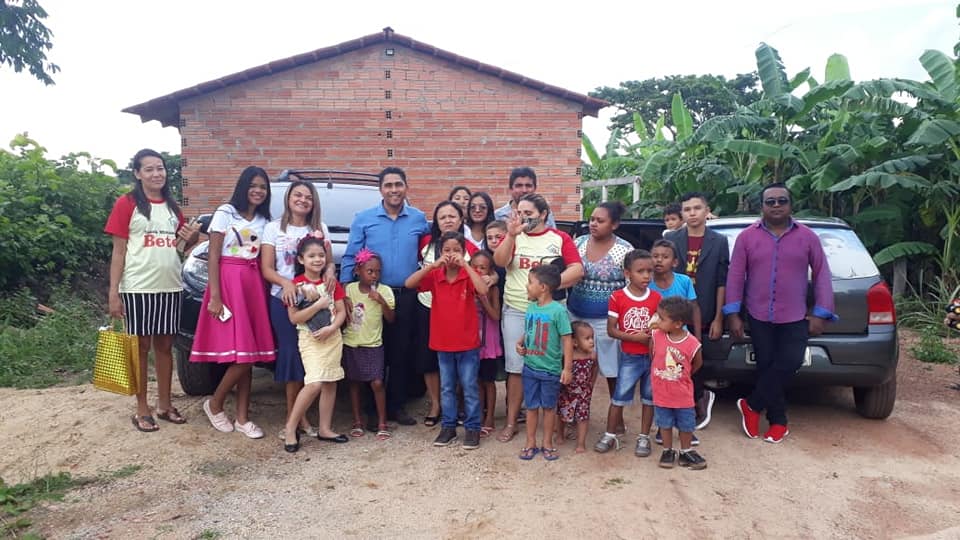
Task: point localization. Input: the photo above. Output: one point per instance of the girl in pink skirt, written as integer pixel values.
(235, 326)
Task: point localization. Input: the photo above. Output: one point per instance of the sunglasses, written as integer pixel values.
(779, 201)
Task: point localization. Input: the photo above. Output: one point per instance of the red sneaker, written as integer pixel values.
(750, 419)
(776, 433)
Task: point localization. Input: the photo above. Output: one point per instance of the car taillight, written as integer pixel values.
(880, 305)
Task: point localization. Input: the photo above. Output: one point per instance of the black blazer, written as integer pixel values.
(711, 268)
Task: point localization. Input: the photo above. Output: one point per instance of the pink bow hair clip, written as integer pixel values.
(364, 255)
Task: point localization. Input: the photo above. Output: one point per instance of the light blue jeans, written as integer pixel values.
(460, 367)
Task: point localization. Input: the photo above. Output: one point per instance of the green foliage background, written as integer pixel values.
(883, 155)
(52, 214)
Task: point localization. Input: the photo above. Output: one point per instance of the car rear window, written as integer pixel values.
(338, 203)
(847, 257)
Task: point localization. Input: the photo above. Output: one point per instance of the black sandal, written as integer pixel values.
(139, 421)
(431, 421)
(172, 415)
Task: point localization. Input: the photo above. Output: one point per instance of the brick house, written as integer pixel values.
(377, 101)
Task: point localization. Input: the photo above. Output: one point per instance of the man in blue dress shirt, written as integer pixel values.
(392, 230)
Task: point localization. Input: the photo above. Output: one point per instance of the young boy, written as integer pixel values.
(629, 311)
(676, 357)
(672, 217)
(547, 348)
(454, 334)
(669, 283)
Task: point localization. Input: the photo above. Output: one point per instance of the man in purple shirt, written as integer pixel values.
(768, 271)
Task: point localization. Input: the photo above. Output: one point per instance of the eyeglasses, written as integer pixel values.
(478, 207)
(779, 201)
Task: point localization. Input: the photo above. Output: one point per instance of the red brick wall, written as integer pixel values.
(450, 125)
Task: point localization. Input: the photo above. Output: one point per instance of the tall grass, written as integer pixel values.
(43, 350)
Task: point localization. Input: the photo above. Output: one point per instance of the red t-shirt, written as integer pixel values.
(694, 245)
(633, 314)
(670, 370)
(454, 321)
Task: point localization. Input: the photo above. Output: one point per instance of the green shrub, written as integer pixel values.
(931, 348)
(52, 215)
(41, 350)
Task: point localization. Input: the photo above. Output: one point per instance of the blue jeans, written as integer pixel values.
(460, 367)
(634, 370)
(682, 419)
(540, 389)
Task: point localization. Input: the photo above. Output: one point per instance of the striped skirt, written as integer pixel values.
(151, 314)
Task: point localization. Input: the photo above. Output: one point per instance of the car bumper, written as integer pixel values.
(834, 360)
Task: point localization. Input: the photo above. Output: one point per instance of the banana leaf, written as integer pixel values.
(934, 132)
(838, 69)
(681, 117)
(942, 71)
(773, 76)
(903, 249)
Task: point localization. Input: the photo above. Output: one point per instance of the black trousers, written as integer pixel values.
(398, 348)
(779, 350)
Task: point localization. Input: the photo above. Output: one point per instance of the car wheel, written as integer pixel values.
(197, 378)
(876, 401)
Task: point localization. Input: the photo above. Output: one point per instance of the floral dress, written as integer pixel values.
(574, 400)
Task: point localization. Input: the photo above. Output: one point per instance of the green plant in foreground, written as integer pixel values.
(52, 348)
(931, 349)
(18, 499)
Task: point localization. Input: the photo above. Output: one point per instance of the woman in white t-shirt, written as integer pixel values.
(146, 225)
(234, 327)
(301, 216)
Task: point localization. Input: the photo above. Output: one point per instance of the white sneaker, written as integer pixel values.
(249, 429)
(706, 408)
(220, 421)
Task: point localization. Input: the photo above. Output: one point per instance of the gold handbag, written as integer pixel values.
(117, 366)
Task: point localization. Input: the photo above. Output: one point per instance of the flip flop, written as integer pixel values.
(485, 431)
(357, 430)
(383, 434)
(509, 432)
(172, 415)
(139, 421)
(431, 421)
(527, 454)
(549, 454)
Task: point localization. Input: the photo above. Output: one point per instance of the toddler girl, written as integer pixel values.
(320, 347)
(371, 302)
(574, 400)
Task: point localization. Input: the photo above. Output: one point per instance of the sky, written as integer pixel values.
(114, 54)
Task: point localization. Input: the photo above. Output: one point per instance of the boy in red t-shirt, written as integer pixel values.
(676, 357)
(454, 334)
(628, 319)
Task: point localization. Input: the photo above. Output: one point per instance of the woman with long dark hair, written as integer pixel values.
(146, 225)
(602, 252)
(479, 214)
(234, 327)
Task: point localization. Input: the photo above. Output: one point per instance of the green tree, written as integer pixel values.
(24, 39)
(704, 96)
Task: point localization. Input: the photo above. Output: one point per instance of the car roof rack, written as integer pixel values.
(324, 175)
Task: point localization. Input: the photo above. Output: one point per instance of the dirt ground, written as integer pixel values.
(837, 475)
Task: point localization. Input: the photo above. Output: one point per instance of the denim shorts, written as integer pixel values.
(682, 419)
(634, 368)
(540, 389)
